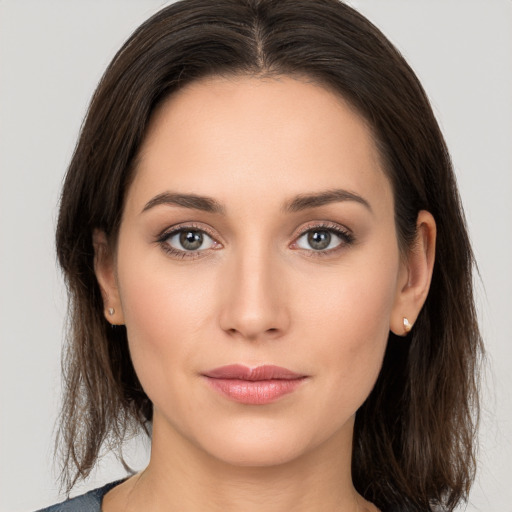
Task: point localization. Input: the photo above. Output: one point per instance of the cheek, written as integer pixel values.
(156, 300)
(164, 314)
(349, 318)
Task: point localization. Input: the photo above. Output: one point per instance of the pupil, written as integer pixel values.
(319, 239)
(191, 240)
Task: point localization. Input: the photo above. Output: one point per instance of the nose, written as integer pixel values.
(254, 305)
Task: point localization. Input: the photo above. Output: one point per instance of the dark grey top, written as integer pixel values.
(91, 501)
(88, 502)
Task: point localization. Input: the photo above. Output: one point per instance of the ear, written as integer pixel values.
(415, 276)
(104, 268)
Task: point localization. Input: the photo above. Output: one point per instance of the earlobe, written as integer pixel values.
(416, 277)
(104, 268)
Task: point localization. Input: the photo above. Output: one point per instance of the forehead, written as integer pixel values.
(253, 137)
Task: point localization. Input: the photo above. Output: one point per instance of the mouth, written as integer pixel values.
(253, 386)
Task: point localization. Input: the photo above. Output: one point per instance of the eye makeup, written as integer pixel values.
(185, 229)
(345, 239)
(324, 239)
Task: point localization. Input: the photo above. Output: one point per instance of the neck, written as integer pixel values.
(182, 476)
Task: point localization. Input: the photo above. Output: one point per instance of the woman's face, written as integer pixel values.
(259, 230)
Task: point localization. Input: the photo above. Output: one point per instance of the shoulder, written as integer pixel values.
(88, 502)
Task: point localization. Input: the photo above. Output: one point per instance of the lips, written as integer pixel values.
(253, 386)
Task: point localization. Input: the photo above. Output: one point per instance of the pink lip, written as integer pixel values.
(255, 386)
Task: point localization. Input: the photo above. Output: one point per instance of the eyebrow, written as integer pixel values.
(306, 201)
(297, 204)
(193, 201)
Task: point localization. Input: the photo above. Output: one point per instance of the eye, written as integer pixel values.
(323, 239)
(187, 240)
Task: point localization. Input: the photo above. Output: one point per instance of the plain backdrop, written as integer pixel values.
(52, 55)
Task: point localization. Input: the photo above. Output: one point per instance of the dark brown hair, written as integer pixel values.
(414, 438)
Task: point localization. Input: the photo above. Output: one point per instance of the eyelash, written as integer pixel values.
(346, 237)
(163, 237)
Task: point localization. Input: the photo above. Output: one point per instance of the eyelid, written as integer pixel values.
(170, 231)
(345, 235)
(322, 224)
(182, 226)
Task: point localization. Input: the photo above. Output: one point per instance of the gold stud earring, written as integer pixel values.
(407, 325)
(111, 311)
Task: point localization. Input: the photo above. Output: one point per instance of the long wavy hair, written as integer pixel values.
(414, 437)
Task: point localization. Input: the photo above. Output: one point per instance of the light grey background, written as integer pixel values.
(52, 55)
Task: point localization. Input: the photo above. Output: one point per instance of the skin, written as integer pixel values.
(258, 293)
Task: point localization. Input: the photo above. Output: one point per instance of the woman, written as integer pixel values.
(269, 270)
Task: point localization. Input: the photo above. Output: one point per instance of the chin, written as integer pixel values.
(262, 454)
(258, 444)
